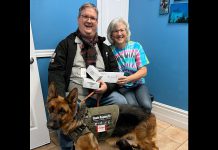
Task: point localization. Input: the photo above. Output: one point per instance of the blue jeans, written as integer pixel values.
(138, 96)
(114, 98)
(65, 142)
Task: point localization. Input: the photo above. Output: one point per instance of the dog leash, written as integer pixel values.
(90, 94)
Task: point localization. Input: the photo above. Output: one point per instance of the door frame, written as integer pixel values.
(108, 10)
(39, 133)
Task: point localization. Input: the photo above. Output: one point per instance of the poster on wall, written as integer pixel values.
(180, 0)
(178, 13)
(164, 7)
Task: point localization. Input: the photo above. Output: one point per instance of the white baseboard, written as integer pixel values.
(171, 115)
(44, 53)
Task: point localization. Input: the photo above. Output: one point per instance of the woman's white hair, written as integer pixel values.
(112, 27)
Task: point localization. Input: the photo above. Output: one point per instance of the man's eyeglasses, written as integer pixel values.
(86, 18)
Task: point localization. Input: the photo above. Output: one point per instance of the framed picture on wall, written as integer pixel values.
(180, 0)
(164, 7)
(178, 13)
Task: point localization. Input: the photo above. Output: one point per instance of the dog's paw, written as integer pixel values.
(124, 145)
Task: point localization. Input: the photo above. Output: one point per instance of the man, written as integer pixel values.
(74, 54)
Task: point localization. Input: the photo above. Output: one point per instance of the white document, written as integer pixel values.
(90, 84)
(93, 72)
(111, 77)
(83, 72)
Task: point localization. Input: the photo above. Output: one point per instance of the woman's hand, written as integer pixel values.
(122, 80)
(132, 78)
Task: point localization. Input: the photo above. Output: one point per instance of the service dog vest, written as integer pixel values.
(102, 120)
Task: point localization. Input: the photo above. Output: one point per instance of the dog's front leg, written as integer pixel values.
(87, 142)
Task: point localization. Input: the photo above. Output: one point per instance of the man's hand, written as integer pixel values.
(102, 89)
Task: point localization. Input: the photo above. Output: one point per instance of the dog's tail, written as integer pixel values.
(148, 137)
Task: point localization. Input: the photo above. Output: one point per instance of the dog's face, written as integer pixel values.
(61, 110)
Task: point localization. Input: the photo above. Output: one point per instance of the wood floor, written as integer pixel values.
(168, 138)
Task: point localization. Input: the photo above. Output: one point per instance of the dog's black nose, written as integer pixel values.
(54, 125)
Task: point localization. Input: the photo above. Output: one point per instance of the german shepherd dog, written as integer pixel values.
(134, 129)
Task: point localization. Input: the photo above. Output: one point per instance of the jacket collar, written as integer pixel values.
(77, 40)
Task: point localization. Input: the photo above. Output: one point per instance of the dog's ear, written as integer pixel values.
(52, 91)
(73, 96)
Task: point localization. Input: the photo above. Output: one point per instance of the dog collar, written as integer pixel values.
(76, 133)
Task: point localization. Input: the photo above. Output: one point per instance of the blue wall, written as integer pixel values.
(167, 48)
(43, 73)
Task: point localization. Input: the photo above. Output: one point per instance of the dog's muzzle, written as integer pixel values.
(53, 124)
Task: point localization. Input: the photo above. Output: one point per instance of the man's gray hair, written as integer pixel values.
(87, 5)
(112, 27)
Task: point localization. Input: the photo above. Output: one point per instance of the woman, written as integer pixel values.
(132, 60)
